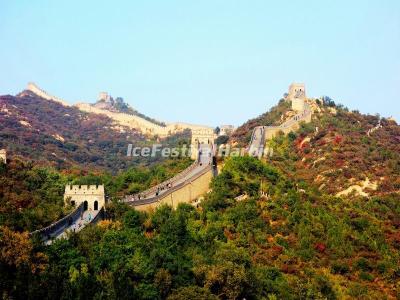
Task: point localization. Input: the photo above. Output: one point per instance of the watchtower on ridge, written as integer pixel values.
(297, 94)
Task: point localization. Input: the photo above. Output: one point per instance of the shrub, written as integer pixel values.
(366, 276)
(133, 219)
(362, 264)
(340, 268)
(357, 290)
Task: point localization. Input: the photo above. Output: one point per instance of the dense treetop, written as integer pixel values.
(288, 244)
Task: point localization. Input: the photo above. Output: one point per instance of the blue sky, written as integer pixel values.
(207, 62)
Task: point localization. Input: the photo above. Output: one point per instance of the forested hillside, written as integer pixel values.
(51, 134)
(319, 219)
(31, 197)
(340, 152)
(289, 244)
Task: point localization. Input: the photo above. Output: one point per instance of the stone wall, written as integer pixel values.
(298, 104)
(292, 124)
(41, 93)
(145, 126)
(130, 121)
(59, 226)
(78, 194)
(187, 193)
(3, 155)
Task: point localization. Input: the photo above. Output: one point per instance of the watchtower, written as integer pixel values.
(201, 136)
(104, 96)
(297, 94)
(3, 155)
(91, 196)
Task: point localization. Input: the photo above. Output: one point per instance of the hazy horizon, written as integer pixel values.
(189, 62)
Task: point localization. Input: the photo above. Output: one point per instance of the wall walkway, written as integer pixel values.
(263, 133)
(187, 186)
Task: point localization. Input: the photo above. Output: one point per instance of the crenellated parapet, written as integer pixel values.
(84, 189)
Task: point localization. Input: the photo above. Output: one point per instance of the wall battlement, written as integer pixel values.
(92, 196)
(84, 189)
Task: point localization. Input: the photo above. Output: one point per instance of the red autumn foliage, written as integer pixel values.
(339, 163)
(320, 247)
(277, 249)
(338, 139)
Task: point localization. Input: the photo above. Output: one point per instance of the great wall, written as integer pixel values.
(123, 119)
(145, 126)
(185, 187)
(300, 104)
(89, 206)
(42, 93)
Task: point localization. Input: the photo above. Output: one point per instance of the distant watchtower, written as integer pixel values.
(3, 155)
(91, 196)
(297, 94)
(104, 96)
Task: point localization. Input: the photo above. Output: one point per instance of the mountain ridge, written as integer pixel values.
(145, 124)
(320, 152)
(48, 132)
